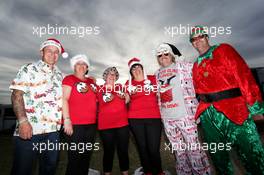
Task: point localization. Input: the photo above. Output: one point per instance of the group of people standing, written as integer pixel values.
(218, 89)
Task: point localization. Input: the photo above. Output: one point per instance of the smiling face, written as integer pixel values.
(80, 68)
(137, 71)
(111, 78)
(200, 43)
(50, 55)
(165, 59)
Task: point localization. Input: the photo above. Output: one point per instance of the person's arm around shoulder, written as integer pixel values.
(66, 92)
(125, 90)
(127, 98)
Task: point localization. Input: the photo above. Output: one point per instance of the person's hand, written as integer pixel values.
(25, 130)
(258, 118)
(127, 98)
(68, 127)
(132, 90)
(120, 94)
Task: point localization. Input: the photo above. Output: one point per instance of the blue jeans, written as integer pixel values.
(42, 146)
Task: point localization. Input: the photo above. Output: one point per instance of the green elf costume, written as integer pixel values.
(229, 100)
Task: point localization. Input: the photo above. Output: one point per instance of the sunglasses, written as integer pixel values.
(197, 38)
(165, 54)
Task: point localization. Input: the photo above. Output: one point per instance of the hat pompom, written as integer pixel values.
(174, 50)
(65, 55)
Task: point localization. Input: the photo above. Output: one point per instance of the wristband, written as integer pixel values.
(67, 120)
(22, 121)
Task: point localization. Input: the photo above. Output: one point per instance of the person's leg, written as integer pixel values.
(176, 139)
(122, 135)
(76, 165)
(49, 157)
(25, 152)
(71, 155)
(153, 132)
(196, 155)
(108, 139)
(89, 132)
(215, 128)
(137, 127)
(250, 147)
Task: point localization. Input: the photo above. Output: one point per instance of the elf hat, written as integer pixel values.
(77, 58)
(167, 48)
(197, 31)
(56, 43)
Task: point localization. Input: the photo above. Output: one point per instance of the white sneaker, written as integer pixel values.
(93, 172)
(166, 172)
(139, 171)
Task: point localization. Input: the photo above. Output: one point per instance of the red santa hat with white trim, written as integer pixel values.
(132, 62)
(56, 43)
(77, 58)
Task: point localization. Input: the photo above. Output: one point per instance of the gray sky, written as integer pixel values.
(122, 30)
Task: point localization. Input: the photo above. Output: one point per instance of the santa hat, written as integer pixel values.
(56, 43)
(132, 62)
(197, 31)
(77, 58)
(168, 48)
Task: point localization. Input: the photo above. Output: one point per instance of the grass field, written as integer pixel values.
(6, 152)
(168, 162)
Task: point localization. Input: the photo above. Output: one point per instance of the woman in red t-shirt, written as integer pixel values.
(112, 121)
(144, 117)
(79, 114)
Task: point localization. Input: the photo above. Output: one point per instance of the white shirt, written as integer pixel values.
(176, 92)
(42, 89)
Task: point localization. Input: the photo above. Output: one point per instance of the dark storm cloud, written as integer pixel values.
(127, 29)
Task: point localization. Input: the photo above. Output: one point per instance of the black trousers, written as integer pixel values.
(147, 133)
(115, 138)
(79, 158)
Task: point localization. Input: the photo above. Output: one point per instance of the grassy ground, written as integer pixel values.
(6, 151)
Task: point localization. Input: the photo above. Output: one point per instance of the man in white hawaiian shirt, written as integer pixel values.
(37, 103)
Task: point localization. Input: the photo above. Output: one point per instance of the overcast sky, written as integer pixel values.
(120, 30)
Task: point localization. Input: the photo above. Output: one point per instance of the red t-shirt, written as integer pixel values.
(112, 114)
(144, 104)
(82, 101)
